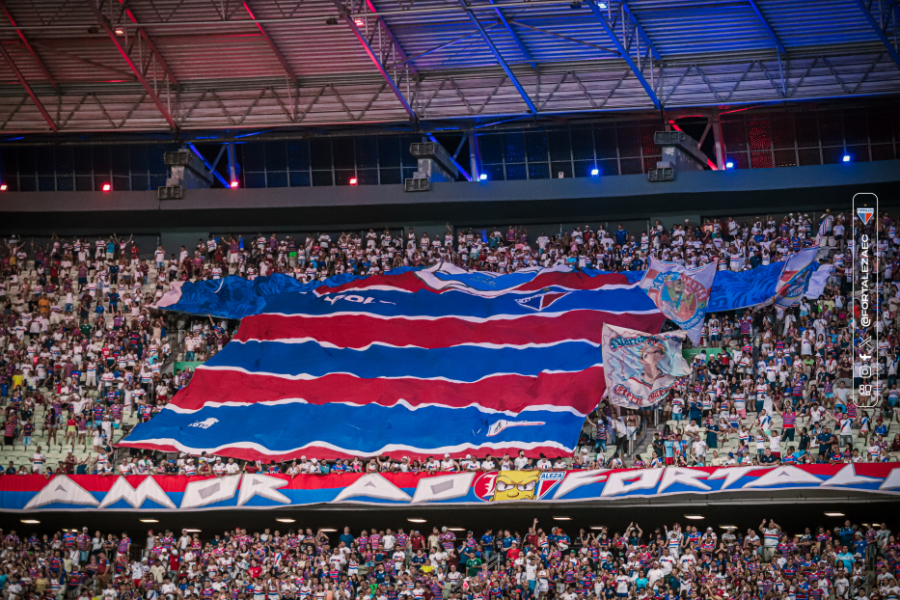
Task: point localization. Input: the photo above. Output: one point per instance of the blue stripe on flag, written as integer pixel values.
(364, 430)
(458, 304)
(457, 363)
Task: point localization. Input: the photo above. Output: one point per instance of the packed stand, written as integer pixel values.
(78, 338)
(766, 562)
(81, 352)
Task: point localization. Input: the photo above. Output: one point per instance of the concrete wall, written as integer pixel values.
(539, 202)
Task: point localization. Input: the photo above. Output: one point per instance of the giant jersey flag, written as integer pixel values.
(378, 369)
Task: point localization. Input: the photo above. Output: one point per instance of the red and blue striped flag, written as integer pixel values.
(382, 369)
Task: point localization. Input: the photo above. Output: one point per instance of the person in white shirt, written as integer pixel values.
(521, 462)
(232, 468)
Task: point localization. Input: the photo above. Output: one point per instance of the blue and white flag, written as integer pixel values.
(795, 277)
(681, 294)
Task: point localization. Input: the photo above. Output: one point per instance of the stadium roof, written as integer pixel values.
(161, 65)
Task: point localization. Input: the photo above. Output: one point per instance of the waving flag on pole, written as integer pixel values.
(795, 276)
(377, 370)
(681, 294)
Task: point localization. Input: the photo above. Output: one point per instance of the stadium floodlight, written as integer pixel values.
(834, 514)
(694, 517)
(234, 185)
(417, 520)
(286, 520)
(846, 158)
(562, 518)
(149, 521)
(106, 187)
(729, 165)
(120, 31)
(30, 521)
(483, 177)
(3, 187)
(354, 181)
(595, 172)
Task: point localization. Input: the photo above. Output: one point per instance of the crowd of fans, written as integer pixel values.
(764, 563)
(81, 346)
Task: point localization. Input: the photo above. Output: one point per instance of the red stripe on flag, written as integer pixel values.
(511, 393)
(357, 331)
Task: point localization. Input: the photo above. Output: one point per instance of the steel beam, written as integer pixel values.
(634, 21)
(768, 27)
(878, 31)
(390, 34)
(28, 46)
(211, 168)
(150, 44)
(28, 89)
(514, 35)
(375, 60)
(272, 45)
(101, 20)
(452, 158)
(624, 53)
(512, 77)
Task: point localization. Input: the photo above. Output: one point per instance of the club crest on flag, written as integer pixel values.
(541, 301)
(865, 214)
(681, 297)
(516, 486)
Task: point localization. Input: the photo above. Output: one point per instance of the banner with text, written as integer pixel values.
(259, 491)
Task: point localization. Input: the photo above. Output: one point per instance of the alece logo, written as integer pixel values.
(865, 214)
(205, 424)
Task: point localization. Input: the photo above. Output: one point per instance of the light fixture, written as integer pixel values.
(354, 181)
(729, 165)
(30, 521)
(327, 530)
(595, 172)
(106, 187)
(694, 517)
(359, 22)
(562, 518)
(286, 520)
(601, 4)
(598, 527)
(192, 531)
(234, 184)
(149, 521)
(3, 187)
(834, 514)
(417, 520)
(456, 529)
(846, 158)
(483, 177)
(727, 526)
(120, 31)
